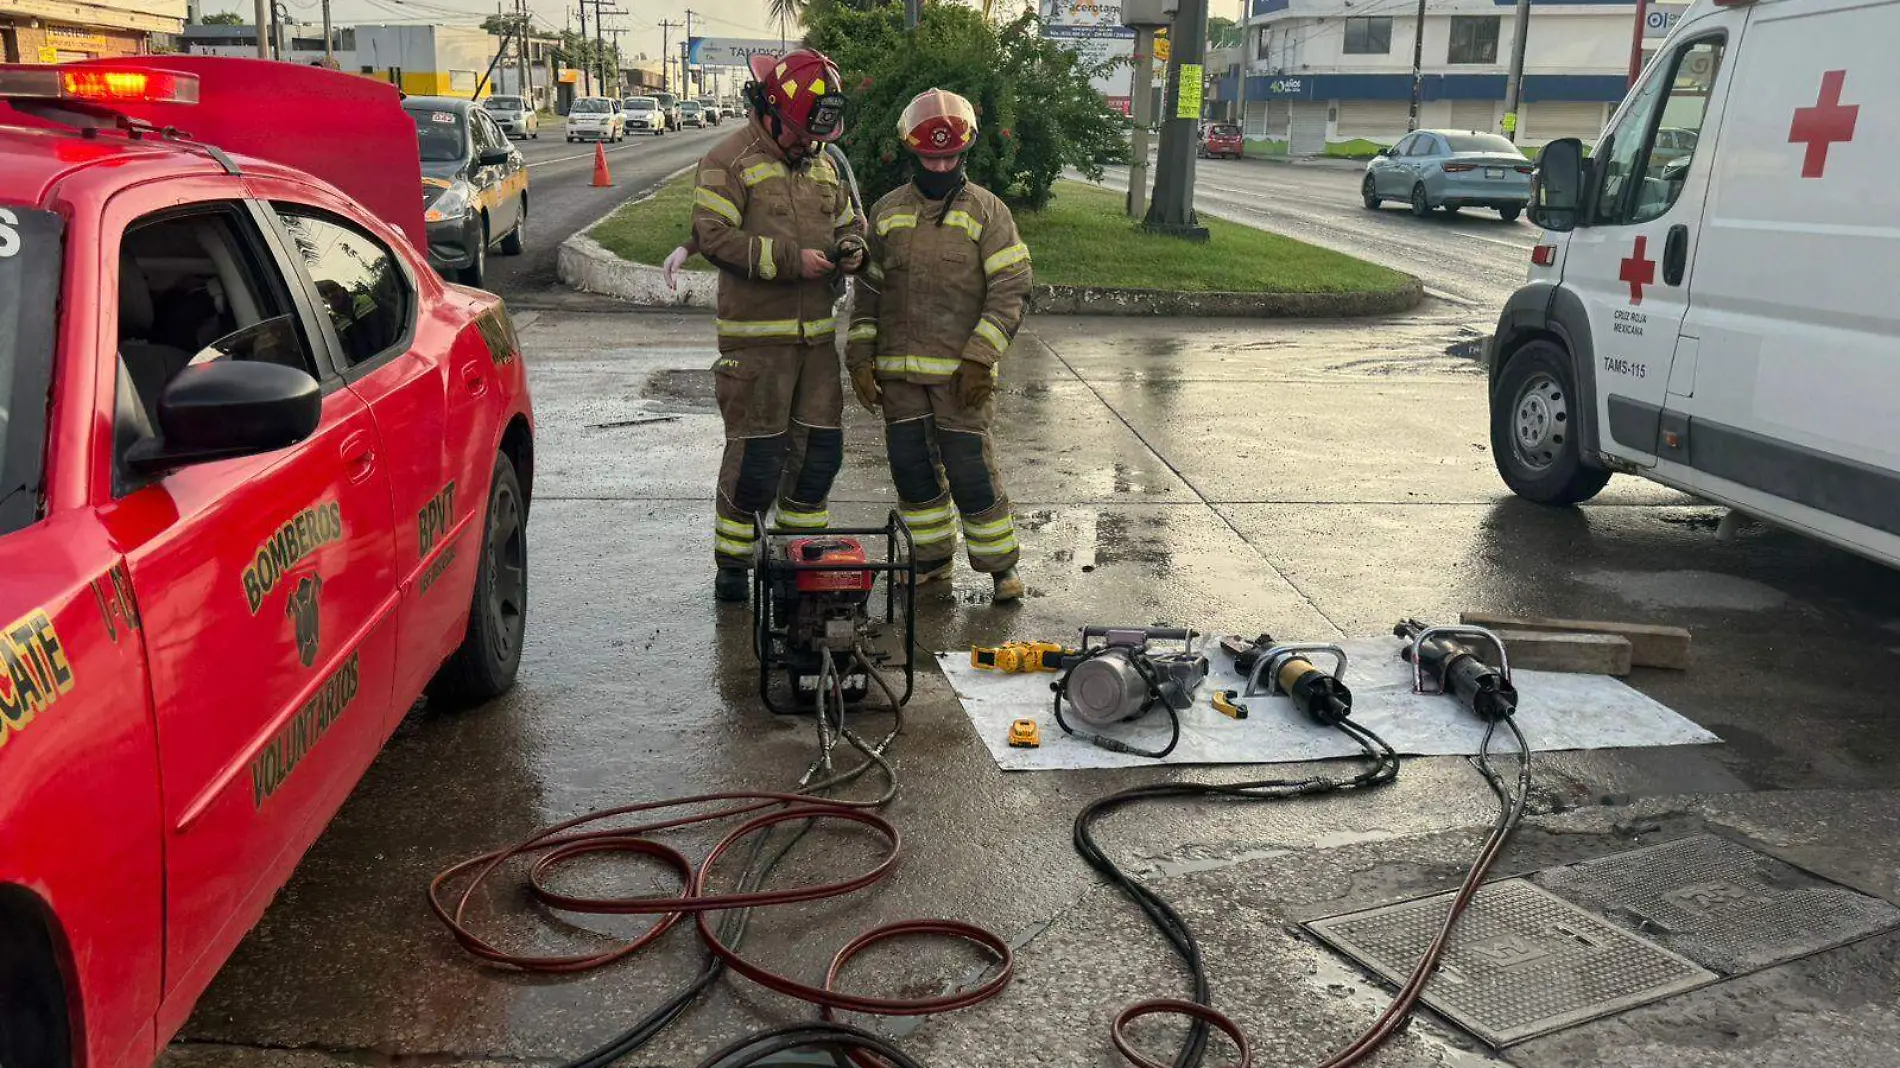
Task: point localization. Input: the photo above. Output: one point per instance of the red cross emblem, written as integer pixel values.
(1638, 270)
(1820, 126)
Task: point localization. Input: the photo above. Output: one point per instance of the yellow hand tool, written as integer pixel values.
(1019, 658)
(1227, 703)
(1024, 734)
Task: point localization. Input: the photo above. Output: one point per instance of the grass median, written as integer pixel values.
(1081, 239)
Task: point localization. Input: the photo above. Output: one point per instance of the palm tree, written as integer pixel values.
(785, 13)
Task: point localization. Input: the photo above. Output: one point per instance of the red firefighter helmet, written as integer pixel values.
(803, 90)
(938, 122)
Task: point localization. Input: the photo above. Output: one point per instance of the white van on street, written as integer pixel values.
(1713, 303)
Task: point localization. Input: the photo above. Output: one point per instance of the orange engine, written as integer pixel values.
(829, 550)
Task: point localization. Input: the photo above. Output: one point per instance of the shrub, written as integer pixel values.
(1036, 109)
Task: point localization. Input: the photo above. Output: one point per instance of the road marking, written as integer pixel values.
(568, 159)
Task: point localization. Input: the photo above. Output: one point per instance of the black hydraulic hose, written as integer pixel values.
(1384, 768)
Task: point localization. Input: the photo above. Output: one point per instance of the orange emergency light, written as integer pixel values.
(96, 84)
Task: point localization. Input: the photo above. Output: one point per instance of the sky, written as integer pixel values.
(640, 18)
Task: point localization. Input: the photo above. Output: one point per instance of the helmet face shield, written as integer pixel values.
(938, 123)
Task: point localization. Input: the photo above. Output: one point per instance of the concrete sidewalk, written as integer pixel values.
(1312, 479)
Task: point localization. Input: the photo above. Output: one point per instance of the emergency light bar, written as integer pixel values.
(96, 84)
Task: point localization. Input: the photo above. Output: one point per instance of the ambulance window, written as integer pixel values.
(193, 288)
(1650, 150)
(358, 279)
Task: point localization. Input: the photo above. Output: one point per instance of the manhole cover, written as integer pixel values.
(1523, 962)
(1719, 903)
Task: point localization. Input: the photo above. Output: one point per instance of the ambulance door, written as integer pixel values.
(1794, 404)
(1630, 260)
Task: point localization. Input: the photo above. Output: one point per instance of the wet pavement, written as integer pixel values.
(1312, 479)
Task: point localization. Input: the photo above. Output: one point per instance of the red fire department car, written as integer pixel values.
(263, 480)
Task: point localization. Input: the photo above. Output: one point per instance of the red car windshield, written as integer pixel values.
(32, 246)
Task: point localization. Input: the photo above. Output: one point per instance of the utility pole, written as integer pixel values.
(587, 69)
(1418, 65)
(686, 57)
(666, 52)
(263, 29)
(1172, 211)
(913, 13)
(1514, 90)
(329, 41)
(1636, 42)
(526, 88)
(1141, 95)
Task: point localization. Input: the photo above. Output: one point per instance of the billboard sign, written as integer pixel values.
(1093, 30)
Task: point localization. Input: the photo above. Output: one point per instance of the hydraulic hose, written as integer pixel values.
(766, 810)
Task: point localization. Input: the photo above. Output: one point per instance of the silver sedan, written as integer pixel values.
(1450, 169)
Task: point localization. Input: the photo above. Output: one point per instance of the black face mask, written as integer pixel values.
(936, 184)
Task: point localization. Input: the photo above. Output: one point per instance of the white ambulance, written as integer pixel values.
(1715, 303)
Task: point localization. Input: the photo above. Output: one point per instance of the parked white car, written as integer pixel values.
(1711, 305)
(595, 118)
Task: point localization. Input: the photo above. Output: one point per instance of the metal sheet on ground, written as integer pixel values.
(1557, 711)
(1522, 963)
(1719, 903)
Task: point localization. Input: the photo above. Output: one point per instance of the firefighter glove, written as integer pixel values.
(864, 384)
(976, 383)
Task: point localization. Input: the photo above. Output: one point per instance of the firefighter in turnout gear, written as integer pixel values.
(935, 311)
(769, 211)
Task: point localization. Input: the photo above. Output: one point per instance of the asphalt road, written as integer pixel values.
(1470, 258)
(562, 198)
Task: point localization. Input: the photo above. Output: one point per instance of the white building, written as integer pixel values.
(1335, 76)
(427, 60)
(297, 42)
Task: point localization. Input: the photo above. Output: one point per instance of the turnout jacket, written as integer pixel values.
(752, 215)
(934, 295)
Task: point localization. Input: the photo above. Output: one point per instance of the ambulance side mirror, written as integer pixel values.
(1557, 185)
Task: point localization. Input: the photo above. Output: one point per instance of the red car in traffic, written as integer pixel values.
(264, 480)
(1222, 140)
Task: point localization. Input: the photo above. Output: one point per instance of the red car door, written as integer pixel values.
(431, 396)
(76, 740)
(267, 584)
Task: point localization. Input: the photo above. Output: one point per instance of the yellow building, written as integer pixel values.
(57, 31)
(426, 60)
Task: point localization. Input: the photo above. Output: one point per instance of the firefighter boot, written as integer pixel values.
(1009, 587)
(733, 585)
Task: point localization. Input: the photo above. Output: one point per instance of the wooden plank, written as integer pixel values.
(1650, 645)
(1577, 652)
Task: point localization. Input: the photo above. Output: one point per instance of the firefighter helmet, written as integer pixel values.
(802, 90)
(938, 122)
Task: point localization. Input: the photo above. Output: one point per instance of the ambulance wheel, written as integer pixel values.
(1534, 440)
(1369, 192)
(484, 666)
(1510, 214)
(1421, 204)
(517, 238)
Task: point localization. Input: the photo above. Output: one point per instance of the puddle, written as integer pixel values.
(1687, 589)
(688, 390)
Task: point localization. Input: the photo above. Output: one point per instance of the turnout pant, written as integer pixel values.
(929, 434)
(783, 407)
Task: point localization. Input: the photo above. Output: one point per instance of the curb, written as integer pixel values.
(585, 265)
(1108, 300)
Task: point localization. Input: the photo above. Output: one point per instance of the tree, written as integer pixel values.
(582, 53)
(1222, 33)
(1037, 111)
(787, 13)
(223, 18)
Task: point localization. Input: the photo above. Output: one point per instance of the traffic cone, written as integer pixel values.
(601, 178)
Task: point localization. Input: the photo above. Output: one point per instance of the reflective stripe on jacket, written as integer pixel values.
(753, 214)
(936, 295)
